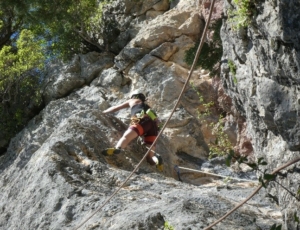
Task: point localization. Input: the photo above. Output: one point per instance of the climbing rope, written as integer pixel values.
(177, 170)
(169, 118)
(253, 193)
(214, 174)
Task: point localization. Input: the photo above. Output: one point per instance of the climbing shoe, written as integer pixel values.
(159, 164)
(111, 151)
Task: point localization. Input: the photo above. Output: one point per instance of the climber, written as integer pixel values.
(144, 122)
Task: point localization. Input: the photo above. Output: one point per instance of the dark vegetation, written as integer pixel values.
(211, 52)
(33, 33)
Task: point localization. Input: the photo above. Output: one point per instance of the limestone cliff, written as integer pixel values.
(266, 90)
(53, 175)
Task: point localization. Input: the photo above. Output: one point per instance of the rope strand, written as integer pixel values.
(214, 174)
(252, 195)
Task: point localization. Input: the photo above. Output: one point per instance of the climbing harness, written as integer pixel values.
(149, 113)
(169, 118)
(134, 120)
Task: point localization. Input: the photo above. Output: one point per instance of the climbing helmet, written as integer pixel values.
(138, 95)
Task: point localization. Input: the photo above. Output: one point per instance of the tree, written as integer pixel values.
(32, 32)
(19, 79)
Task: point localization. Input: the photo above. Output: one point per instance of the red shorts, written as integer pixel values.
(147, 128)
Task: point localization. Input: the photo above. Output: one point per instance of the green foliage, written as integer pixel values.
(241, 16)
(95, 23)
(296, 218)
(28, 54)
(19, 75)
(31, 33)
(275, 227)
(242, 159)
(15, 62)
(232, 68)
(167, 226)
(66, 25)
(207, 106)
(229, 157)
(227, 180)
(222, 145)
(211, 53)
(265, 178)
(68, 29)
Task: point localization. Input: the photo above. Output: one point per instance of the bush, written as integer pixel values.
(241, 16)
(20, 68)
(222, 145)
(211, 53)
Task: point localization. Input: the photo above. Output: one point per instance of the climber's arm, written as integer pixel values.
(117, 107)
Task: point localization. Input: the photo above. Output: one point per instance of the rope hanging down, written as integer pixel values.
(253, 193)
(164, 126)
(214, 174)
(177, 170)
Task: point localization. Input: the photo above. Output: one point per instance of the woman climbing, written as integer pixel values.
(144, 122)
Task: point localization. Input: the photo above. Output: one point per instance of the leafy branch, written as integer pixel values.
(207, 106)
(211, 51)
(240, 17)
(168, 226)
(222, 145)
(232, 68)
(264, 176)
(265, 182)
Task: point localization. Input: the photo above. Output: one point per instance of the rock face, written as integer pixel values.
(266, 90)
(53, 175)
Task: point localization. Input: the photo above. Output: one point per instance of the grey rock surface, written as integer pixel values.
(63, 79)
(53, 175)
(266, 92)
